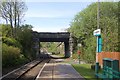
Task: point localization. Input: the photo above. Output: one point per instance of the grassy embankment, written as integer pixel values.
(85, 71)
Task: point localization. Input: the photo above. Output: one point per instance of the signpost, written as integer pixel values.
(99, 39)
(79, 45)
(97, 33)
(79, 55)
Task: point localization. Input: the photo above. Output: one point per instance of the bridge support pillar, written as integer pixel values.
(37, 48)
(67, 49)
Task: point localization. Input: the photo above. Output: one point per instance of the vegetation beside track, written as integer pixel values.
(85, 71)
(85, 22)
(15, 50)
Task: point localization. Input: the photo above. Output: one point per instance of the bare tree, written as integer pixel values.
(13, 11)
(21, 8)
(6, 13)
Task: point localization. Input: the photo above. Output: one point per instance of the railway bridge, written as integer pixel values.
(53, 37)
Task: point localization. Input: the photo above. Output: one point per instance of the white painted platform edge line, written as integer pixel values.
(14, 70)
(40, 71)
(9, 73)
(77, 72)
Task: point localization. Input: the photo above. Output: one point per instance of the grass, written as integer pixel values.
(85, 71)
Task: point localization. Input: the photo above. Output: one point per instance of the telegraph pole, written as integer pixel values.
(98, 15)
(99, 39)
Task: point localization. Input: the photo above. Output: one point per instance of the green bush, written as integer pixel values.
(5, 30)
(11, 42)
(17, 49)
(9, 55)
(21, 60)
(25, 38)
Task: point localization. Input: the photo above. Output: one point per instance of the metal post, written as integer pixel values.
(98, 16)
(79, 58)
(97, 67)
(79, 45)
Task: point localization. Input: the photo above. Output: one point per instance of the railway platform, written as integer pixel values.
(58, 71)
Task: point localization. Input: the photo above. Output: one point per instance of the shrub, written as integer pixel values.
(5, 30)
(9, 55)
(21, 60)
(11, 42)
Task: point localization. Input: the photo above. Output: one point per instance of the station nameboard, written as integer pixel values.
(97, 32)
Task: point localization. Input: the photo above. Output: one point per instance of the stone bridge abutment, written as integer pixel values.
(53, 37)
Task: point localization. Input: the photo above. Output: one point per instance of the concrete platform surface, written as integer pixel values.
(58, 71)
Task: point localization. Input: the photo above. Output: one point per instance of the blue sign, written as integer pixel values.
(99, 44)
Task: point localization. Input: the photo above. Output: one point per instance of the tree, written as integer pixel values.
(25, 38)
(12, 12)
(85, 22)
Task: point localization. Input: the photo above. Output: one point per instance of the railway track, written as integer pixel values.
(26, 72)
